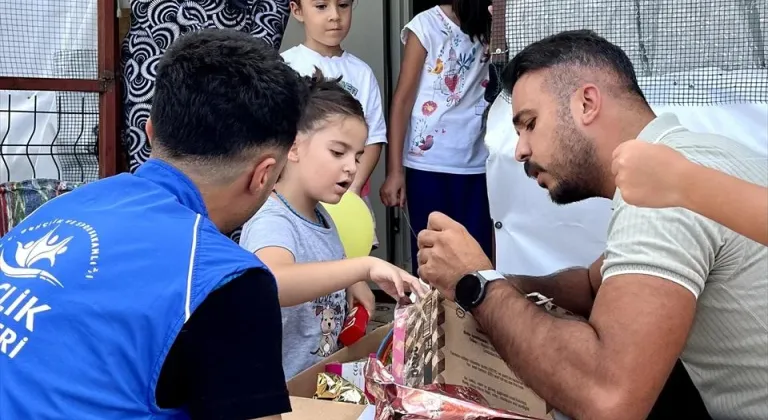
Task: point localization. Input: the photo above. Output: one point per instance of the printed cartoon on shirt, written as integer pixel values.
(330, 314)
(449, 78)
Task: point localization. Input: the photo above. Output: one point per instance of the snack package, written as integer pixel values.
(435, 401)
(354, 326)
(436, 342)
(335, 388)
(414, 341)
(354, 372)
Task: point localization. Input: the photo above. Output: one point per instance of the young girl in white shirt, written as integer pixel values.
(326, 25)
(436, 156)
(296, 238)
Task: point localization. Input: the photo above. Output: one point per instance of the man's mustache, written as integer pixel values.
(532, 169)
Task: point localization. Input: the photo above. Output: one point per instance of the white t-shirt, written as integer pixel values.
(357, 78)
(445, 133)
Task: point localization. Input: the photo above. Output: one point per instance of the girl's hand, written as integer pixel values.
(650, 175)
(395, 281)
(392, 192)
(362, 294)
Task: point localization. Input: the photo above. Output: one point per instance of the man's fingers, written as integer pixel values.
(427, 239)
(438, 221)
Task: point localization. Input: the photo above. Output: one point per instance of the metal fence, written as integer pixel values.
(685, 52)
(59, 98)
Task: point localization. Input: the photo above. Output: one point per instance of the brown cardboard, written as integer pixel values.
(309, 409)
(302, 387)
(304, 384)
(466, 357)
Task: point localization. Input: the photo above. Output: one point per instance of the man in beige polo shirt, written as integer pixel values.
(670, 283)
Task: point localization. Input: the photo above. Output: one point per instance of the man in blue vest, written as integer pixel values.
(123, 299)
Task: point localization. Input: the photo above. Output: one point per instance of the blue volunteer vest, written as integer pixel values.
(94, 288)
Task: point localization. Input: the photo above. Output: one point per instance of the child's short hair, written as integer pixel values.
(327, 99)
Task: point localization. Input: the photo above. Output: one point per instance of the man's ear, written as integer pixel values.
(264, 174)
(590, 103)
(150, 130)
(296, 10)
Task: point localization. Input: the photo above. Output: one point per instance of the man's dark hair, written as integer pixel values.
(570, 50)
(220, 93)
(327, 99)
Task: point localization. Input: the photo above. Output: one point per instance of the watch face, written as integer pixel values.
(468, 290)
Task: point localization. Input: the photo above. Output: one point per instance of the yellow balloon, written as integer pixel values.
(354, 223)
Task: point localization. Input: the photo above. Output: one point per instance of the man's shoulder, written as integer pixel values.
(722, 153)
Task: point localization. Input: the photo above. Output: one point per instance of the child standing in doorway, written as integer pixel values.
(296, 238)
(436, 156)
(326, 25)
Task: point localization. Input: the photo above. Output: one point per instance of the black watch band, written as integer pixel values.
(472, 288)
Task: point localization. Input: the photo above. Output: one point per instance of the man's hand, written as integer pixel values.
(650, 175)
(447, 252)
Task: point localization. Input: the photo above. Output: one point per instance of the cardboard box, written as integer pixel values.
(302, 387)
(457, 352)
(465, 356)
(444, 344)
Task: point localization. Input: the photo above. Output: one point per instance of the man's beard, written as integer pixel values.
(576, 170)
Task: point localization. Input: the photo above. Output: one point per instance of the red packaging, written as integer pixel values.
(434, 401)
(354, 326)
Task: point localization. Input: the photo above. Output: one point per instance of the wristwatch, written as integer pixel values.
(471, 289)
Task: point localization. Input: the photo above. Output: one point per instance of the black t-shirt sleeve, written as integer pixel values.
(226, 362)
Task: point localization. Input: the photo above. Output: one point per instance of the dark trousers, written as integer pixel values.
(463, 198)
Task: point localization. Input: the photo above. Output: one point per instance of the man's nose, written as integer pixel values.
(522, 151)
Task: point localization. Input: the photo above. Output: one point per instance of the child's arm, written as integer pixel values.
(654, 175)
(300, 283)
(734, 203)
(393, 191)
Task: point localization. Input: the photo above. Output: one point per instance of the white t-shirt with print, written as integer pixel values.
(357, 78)
(445, 133)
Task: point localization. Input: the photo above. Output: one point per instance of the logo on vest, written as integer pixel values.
(45, 248)
(48, 254)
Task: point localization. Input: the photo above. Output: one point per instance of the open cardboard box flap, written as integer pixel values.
(302, 387)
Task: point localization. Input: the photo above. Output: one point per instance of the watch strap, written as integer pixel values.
(490, 275)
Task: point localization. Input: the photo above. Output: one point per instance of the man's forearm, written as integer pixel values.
(569, 289)
(544, 357)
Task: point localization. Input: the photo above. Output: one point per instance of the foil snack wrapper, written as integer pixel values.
(333, 387)
(435, 401)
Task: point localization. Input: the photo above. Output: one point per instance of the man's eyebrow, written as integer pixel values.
(519, 116)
